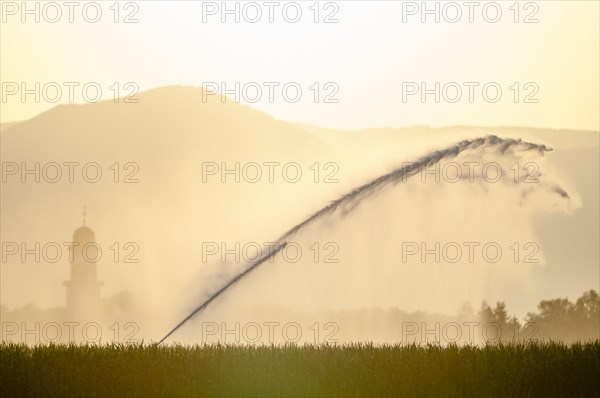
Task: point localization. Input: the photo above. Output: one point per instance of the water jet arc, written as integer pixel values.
(354, 197)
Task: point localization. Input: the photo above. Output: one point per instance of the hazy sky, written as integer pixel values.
(368, 55)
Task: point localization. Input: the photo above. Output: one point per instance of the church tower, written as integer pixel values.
(83, 289)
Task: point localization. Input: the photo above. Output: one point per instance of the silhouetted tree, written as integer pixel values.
(497, 325)
(559, 319)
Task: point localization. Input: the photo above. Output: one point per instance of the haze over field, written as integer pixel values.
(210, 137)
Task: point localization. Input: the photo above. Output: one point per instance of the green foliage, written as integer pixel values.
(549, 369)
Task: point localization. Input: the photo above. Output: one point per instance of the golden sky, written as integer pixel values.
(368, 54)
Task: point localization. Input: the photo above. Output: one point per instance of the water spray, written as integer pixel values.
(357, 195)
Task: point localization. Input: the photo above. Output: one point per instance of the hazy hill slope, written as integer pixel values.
(170, 119)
